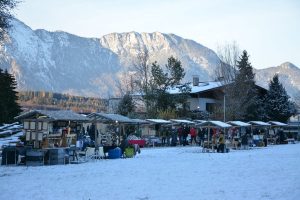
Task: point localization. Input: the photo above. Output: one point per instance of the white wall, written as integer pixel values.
(200, 103)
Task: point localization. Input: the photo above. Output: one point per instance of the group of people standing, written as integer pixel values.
(171, 136)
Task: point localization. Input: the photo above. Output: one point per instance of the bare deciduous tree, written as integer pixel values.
(228, 54)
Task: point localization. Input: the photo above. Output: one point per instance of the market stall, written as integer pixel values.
(239, 134)
(259, 132)
(214, 136)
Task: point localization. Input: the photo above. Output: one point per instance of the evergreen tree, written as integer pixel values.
(5, 15)
(243, 99)
(126, 105)
(277, 103)
(9, 106)
(164, 79)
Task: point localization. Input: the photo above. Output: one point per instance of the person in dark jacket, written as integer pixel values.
(124, 144)
(244, 141)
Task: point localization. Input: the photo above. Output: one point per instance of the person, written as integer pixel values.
(193, 135)
(173, 137)
(124, 144)
(180, 134)
(221, 146)
(163, 138)
(201, 136)
(244, 141)
(168, 135)
(186, 131)
(265, 139)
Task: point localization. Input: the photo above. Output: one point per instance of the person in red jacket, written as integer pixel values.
(193, 135)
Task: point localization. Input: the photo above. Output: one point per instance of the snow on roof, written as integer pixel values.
(260, 123)
(111, 117)
(140, 121)
(215, 123)
(182, 121)
(199, 121)
(67, 115)
(199, 88)
(277, 123)
(238, 123)
(159, 121)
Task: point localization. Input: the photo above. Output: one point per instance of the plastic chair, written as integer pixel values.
(90, 153)
(101, 153)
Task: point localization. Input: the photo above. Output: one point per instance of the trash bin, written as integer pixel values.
(114, 153)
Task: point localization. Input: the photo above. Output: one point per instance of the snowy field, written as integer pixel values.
(164, 173)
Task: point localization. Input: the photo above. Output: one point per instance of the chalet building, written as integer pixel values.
(204, 96)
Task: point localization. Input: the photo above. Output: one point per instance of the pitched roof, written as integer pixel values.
(277, 123)
(259, 123)
(159, 121)
(215, 123)
(105, 117)
(182, 121)
(238, 123)
(54, 115)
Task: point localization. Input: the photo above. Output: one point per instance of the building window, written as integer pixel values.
(32, 125)
(26, 125)
(40, 125)
(210, 107)
(45, 125)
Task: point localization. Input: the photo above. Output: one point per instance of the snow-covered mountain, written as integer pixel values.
(289, 76)
(62, 62)
(66, 63)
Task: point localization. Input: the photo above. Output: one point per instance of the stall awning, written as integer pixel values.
(275, 123)
(105, 117)
(159, 121)
(53, 115)
(238, 123)
(183, 121)
(259, 123)
(215, 124)
(140, 121)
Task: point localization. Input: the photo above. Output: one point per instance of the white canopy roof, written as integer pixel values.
(215, 123)
(277, 123)
(259, 123)
(182, 121)
(159, 121)
(238, 123)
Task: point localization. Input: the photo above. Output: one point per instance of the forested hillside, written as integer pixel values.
(49, 100)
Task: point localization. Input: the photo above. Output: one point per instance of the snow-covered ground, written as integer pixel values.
(164, 173)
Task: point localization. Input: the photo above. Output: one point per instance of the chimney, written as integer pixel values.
(195, 80)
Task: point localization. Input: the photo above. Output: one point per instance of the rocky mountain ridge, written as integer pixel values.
(66, 63)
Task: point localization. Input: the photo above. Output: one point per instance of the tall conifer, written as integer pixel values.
(277, 103)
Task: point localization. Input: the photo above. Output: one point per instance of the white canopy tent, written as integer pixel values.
(259, 123)
(159, 121)
(275, 123)
(239, 123)
(213, 124)
(181, 121)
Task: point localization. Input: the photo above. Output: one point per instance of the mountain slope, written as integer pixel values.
(195, 58)
(289, 76)
(66, 63)
(58, 61)
(62, 62)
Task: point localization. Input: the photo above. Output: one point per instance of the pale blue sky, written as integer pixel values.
(268, 29)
